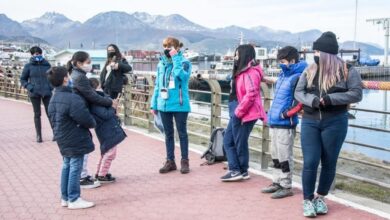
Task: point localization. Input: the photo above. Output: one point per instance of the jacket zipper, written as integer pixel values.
(320, 88)
(180, 96)
(250, 79)
(277, 90)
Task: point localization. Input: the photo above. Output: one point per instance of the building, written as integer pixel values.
(98, 58)
(142, 55)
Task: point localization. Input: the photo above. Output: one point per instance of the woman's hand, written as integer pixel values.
(154, 112)
(115, 103)
(173, 52)
(114, 65)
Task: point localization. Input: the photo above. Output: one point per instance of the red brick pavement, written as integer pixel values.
(30, 176)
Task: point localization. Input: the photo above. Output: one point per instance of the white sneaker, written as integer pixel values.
(80, 204)
(64, 203)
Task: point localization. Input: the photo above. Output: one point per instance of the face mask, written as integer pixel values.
(284, 67)
(317, 60)
(70, 83)
(38, 58)
(166, 52)
(87, 68)
(235, 62)
(111, 54)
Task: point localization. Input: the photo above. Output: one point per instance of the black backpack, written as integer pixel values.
(215, 152)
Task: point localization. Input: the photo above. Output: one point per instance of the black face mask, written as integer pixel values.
(317, 60)
(111, 54)
(235, 62)
(166, 52)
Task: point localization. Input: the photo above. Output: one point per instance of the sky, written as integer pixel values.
(291, 15)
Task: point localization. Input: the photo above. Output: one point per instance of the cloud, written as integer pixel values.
(291, 15)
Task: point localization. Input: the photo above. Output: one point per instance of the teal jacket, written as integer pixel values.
(177, 69)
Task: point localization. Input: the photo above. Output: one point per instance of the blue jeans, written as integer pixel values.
(321, 140)
(70, 178)
(181, 126)
(235, 141)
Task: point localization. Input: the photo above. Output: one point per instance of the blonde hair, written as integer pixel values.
(172, 42)
(331, 69)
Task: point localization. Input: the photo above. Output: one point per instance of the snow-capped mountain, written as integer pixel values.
(10, 27)
(49, 26)
(170, 22)
(141, 30)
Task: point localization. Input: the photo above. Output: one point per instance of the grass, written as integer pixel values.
(363, 189)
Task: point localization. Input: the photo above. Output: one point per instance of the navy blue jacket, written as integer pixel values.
(34, 78)
(71, 121)
(108, 129)
(284, 96)
(82, 87)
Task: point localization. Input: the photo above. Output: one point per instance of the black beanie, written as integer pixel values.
(327, 43)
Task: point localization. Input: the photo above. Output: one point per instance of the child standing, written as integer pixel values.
(283, 119)
(71, 121)
(245, 108)
(109, 133)
(78, 67)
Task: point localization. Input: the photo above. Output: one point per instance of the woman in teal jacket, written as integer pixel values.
(171, 101)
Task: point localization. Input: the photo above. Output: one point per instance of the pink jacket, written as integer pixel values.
(250, 105)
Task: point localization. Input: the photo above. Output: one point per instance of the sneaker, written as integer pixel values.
(169, 166)
(320, 205)
(80, 204)
(185, 166)
(309, 209)
(282, 193)
(232, 176)
(245, 175)
(88, 183)
(64, 203)
(108, 178)
(271, 188)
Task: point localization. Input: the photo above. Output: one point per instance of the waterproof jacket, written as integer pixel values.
(177, 69)
(250, 105)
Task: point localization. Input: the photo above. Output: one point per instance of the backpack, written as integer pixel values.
(215, 152)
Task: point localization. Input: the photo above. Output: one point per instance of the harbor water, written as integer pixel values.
(372, 100)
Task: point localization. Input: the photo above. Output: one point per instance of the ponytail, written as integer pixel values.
(69, 67)
(79, 56)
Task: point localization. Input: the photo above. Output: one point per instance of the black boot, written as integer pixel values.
(38, 129)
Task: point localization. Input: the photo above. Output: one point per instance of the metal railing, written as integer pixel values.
(135, 111)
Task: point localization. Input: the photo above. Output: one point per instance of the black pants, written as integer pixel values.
(114, 95)
(36, 103)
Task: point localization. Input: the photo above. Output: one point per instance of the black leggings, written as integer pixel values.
(36, 103)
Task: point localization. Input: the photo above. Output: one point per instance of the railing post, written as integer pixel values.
(127, 104)
(150, 117)
(16, 85)
(266, 88)
(215, 120)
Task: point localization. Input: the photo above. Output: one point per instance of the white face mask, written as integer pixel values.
(87, 68)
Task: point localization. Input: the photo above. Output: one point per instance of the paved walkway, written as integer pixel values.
(29, 184)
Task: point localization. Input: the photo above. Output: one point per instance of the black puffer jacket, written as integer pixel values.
(114, 81)
(108, 129)
(82, 87)
(71, 121)
(34, 78)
